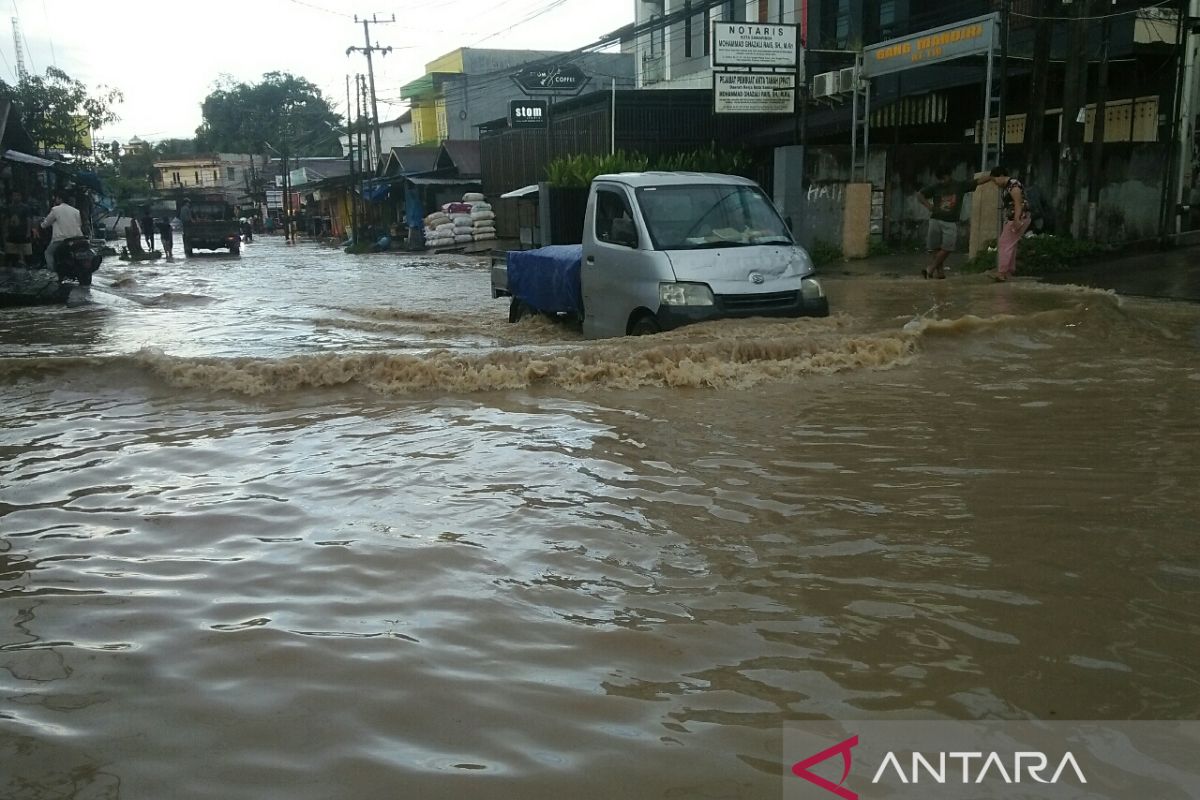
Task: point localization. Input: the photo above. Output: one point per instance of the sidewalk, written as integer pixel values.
(1167, 274)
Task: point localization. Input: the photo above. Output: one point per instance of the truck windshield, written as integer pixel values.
(699, 216)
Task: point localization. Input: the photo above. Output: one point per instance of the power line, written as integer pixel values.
(9, 66)
(315, 7)
(1090, 18)
(49, 35)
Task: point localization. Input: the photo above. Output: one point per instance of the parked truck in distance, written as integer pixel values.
(213, 225)
(665, 249)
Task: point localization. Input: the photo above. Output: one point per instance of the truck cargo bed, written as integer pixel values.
(547, 279)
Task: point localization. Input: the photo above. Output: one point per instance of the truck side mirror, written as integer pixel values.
(623, 233)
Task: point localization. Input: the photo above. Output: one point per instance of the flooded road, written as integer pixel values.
(307, 525)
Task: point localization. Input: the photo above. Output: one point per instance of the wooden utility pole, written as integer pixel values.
(350, 158)
(1096, 158)
(368, 49)
(1035, 120)
(1002, 110)
(359, 106)
(1074, 102)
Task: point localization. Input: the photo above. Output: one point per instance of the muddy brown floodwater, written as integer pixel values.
(305, 525)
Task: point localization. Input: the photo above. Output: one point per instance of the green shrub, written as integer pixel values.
(578, 171)
(1040, 255)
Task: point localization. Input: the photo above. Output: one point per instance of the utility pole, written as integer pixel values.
(1074, 101)
(1002, 111)
(1035, 120)
(1172, 183)
(1187, 111)
(350, 158)
(1096, 158)
(368, 49)
(358, 105)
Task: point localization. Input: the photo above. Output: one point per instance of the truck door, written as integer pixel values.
(614, 283)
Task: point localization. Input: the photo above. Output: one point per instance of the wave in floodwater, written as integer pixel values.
(724, 354)
(678, 359)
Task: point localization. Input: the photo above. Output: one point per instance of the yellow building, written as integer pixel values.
(428, 103)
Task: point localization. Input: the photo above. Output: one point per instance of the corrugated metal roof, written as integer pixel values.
(443, 181)
(411, 160)
(463, 156)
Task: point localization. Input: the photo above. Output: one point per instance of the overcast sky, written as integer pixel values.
(165, 55)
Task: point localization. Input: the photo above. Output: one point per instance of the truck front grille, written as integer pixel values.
(758, 303)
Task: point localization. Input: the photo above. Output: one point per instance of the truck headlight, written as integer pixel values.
(685, 294)
(811, 289)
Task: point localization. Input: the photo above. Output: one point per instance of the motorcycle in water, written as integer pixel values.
(75, 260)
(74, 263)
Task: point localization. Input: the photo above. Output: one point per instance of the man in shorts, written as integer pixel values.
(944, 200)
(18, 227)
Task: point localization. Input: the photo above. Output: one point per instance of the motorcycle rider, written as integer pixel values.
(66, 223)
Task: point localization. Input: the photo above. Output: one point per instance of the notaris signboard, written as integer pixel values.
(566, 79)
(967, 38)
(743, 44)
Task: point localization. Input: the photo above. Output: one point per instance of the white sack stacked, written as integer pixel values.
(483, 218)
(439, 230)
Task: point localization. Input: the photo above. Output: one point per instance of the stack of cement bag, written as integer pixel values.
(483, 219)
(439, 230)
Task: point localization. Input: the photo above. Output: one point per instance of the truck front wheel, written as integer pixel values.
(645, 325)
(518, 310)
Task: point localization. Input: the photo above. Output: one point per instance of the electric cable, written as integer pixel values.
(315, 7)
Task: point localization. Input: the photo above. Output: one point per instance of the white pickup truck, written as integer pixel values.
(664, 249)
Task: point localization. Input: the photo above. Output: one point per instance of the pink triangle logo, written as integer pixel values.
(802, 769)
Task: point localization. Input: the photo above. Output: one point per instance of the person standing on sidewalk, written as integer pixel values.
(1016, 222)
(944, 200)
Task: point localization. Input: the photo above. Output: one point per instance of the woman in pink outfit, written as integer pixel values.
(1016, 223)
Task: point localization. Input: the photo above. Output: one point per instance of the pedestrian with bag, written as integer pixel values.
(1016, 220)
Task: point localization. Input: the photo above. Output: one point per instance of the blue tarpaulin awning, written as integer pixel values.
(377, 194)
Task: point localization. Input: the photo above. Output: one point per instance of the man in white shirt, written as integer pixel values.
(67, 224)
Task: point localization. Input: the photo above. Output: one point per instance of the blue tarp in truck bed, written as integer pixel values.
(548, 278)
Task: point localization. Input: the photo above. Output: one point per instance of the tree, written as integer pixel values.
(58, 111)
(283, 112)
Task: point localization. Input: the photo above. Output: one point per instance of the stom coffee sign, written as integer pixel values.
(561, 79)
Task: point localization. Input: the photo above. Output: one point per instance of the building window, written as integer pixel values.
(214, 176)
(197, 177)
(175, 179)
(707, 30)
(687, 29)
(231, 173)
(734, 11)
(887, 19)
(843, 24)
(658, 35)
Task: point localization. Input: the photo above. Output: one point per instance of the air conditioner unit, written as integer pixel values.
(825, 84)
(847, 79)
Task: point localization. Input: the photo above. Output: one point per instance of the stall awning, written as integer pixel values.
(377, 194)
(25, 158)
(444, 181)
(524, 191)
